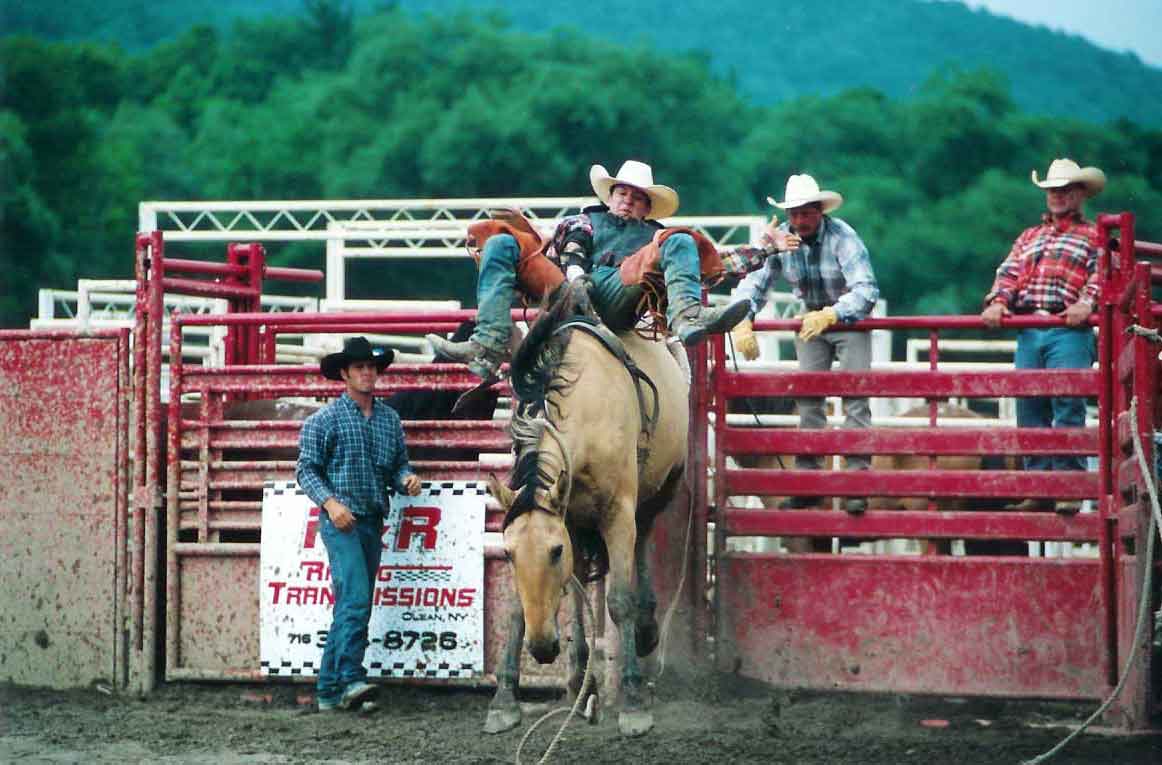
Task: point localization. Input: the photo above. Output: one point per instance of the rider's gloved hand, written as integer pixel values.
(744, 340)
(574, 272)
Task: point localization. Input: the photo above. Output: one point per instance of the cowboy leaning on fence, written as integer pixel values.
(829, 269)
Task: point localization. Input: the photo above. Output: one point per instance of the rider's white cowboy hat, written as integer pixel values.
(1065, 171)
(803, 190)
(354, 349)
(663, 199)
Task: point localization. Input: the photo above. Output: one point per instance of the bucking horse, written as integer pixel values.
(600, 436)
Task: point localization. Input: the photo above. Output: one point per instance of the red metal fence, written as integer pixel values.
(924, 623)
(937, 623)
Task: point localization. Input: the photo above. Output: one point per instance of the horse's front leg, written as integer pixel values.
(504, 711)
(580, 655)
(633, 719)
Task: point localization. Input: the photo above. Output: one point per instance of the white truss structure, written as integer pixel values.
(386, 228)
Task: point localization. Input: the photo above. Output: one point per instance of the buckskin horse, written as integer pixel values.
(600, 436)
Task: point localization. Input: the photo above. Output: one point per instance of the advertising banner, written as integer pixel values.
(427, 607)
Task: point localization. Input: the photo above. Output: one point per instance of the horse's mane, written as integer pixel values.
(536, 367)
(538, 370)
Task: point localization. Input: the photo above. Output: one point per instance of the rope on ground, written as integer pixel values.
(580, 590)
(1143, 601)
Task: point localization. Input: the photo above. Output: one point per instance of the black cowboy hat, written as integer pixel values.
(354, 349)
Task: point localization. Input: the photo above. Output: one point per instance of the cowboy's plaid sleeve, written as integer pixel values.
(740, 261)
(755, 286)
(311, 468)
(1008, 277)
(862, 290)
(399, 468)
(578, 229)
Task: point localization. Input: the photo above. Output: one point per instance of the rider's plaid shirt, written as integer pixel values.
(353, 458)
(835, 272)
(1050, 267)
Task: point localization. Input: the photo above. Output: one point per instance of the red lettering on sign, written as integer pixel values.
(312, 531)
(277, 587)
(418, 522)
(314, 570)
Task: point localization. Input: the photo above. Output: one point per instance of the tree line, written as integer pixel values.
(327, 105)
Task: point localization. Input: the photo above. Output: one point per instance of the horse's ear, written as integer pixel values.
(502, 493)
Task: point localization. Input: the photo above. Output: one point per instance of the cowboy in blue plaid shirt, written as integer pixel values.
(349, 451)
(828, 268)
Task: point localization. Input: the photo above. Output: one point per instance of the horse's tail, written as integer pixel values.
(538, 358)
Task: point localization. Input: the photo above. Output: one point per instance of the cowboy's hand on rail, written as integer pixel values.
(992, 315)
(814, 322)
(744, 340)
(339, 514)
(1078, 313)
(412, 485)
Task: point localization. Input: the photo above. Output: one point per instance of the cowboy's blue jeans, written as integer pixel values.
(495, 289)
(615, 302)
(354, 559)
(1054, 348)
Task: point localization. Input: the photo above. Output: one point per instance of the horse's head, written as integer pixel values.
(540, 552)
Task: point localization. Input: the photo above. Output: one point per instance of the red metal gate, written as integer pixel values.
(935, 623)
(63, 478)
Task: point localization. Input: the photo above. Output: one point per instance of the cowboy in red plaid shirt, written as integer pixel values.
(1052, 270)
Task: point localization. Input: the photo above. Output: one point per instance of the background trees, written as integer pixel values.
(323, 104)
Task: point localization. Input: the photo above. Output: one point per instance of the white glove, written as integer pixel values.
(573, 272)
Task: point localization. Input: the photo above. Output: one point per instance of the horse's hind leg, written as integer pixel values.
(620, 539)
(647, 601)
(503, 711)
(646, 622)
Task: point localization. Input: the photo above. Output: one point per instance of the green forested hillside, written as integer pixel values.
(773, 50)
(326, 105)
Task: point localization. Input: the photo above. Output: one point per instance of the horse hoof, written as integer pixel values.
(635, 723)
(500, 720)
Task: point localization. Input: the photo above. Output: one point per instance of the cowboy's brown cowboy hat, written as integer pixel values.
(663, 199)
(1063, 172)
(354, 349)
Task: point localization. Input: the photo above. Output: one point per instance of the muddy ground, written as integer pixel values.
(709, 719)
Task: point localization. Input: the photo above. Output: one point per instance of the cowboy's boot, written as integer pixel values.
(695, 321)
(482, 361)
(687, 317)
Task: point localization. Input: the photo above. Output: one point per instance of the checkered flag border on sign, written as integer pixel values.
(451, 489)
(290, 669)
(441, 671)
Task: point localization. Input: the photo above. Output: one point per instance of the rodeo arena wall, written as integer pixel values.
(155, 532)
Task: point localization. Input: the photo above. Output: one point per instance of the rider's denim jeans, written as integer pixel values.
(615, 302)
(354, 559)
(494, 292)
(1054, 348)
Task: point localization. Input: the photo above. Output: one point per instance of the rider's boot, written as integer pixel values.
(482, 361)
(695, 321)
(687, 317)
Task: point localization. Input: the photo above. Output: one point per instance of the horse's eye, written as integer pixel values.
(508, 556)
(555, 553)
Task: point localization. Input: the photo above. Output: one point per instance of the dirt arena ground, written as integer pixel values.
(711, 719)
